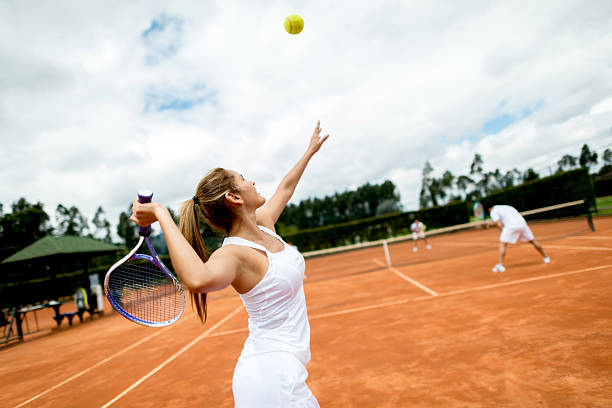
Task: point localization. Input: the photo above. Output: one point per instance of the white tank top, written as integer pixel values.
(278, 320)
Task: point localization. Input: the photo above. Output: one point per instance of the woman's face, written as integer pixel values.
(248, 193)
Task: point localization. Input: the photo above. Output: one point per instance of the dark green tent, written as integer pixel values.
(48, 268)
(50, 246)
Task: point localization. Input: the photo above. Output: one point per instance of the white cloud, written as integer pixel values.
(91, 110)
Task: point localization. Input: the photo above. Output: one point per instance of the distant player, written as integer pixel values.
(418, 232)
(514, 227)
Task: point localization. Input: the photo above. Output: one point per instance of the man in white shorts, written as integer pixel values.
(514, 227)
(418, 232)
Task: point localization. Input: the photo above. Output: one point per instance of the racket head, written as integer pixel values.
(479, 210)
(142, 289)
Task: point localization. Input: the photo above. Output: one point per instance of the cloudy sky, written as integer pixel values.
(99, 98)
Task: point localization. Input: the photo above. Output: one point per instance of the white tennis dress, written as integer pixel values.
(271, 370)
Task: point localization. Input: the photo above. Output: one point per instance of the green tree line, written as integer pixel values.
(366, 201)
(27, 222)
(479, 183)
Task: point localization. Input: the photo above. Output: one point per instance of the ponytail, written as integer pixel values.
(189, 225)
(210, 200)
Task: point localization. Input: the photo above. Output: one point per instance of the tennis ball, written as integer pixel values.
(294, 24)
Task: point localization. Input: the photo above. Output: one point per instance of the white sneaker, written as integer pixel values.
(414, 249)
(546, 259)
(499, 268)
(428, 246)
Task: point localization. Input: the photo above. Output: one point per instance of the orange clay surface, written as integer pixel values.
(438, 329)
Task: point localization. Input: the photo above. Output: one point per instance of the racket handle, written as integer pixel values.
(144, 196)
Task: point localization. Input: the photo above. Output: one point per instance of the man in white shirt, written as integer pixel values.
(418, 231)
(514, 227)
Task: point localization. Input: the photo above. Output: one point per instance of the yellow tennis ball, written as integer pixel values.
(294, 24)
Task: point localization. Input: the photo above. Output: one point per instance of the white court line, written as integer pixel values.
(594, 237)
(174, 356)
(378, 261)
(535, 278)
(234, 331)
(415, 283)
(99, 363)
(407, 278)
(577, 247)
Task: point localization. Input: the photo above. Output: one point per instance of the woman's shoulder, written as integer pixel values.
(231, 250)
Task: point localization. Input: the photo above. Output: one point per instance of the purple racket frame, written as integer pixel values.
(144, 196)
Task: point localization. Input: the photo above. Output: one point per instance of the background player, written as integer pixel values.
(514, 227)
(418, 232)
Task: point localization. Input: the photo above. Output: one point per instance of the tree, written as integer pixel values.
(463, 182)
(388, 206)
(476, 166)
(70, 221)
(126, 229)
(567, 162)
(607, 158)
(25, 224)
(587, 158)
(530, 175)
(447, 182)
(102, 225)
(436, 191)
(430, 187)
(476, 172)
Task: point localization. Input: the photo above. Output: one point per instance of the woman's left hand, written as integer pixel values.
(316, 141)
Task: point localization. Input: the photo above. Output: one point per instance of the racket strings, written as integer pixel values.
(145, 292)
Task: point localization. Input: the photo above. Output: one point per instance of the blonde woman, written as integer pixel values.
(266, 272)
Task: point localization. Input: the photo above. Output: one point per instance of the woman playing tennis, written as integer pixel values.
(266, 272)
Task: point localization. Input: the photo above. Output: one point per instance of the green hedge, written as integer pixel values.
(603, 186)
(371, 229)
(557, 189)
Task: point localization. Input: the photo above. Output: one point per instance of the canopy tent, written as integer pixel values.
(68, 245)
(48, 268)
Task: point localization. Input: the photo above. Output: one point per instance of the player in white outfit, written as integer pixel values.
(514, 227)
(266, 272)
(418, 232)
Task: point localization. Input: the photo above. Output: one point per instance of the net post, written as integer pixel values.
(387, 257)
(589, 211)
(590, 219)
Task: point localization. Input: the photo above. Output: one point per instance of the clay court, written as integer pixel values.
(437, 329)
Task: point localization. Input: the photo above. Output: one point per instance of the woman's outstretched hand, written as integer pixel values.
(316, 141)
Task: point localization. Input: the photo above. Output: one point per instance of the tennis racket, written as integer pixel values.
(141, 288)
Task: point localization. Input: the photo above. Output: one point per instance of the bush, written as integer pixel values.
(603, 186)
(557, 189)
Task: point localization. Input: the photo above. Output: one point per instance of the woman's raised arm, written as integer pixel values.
(269, 213)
